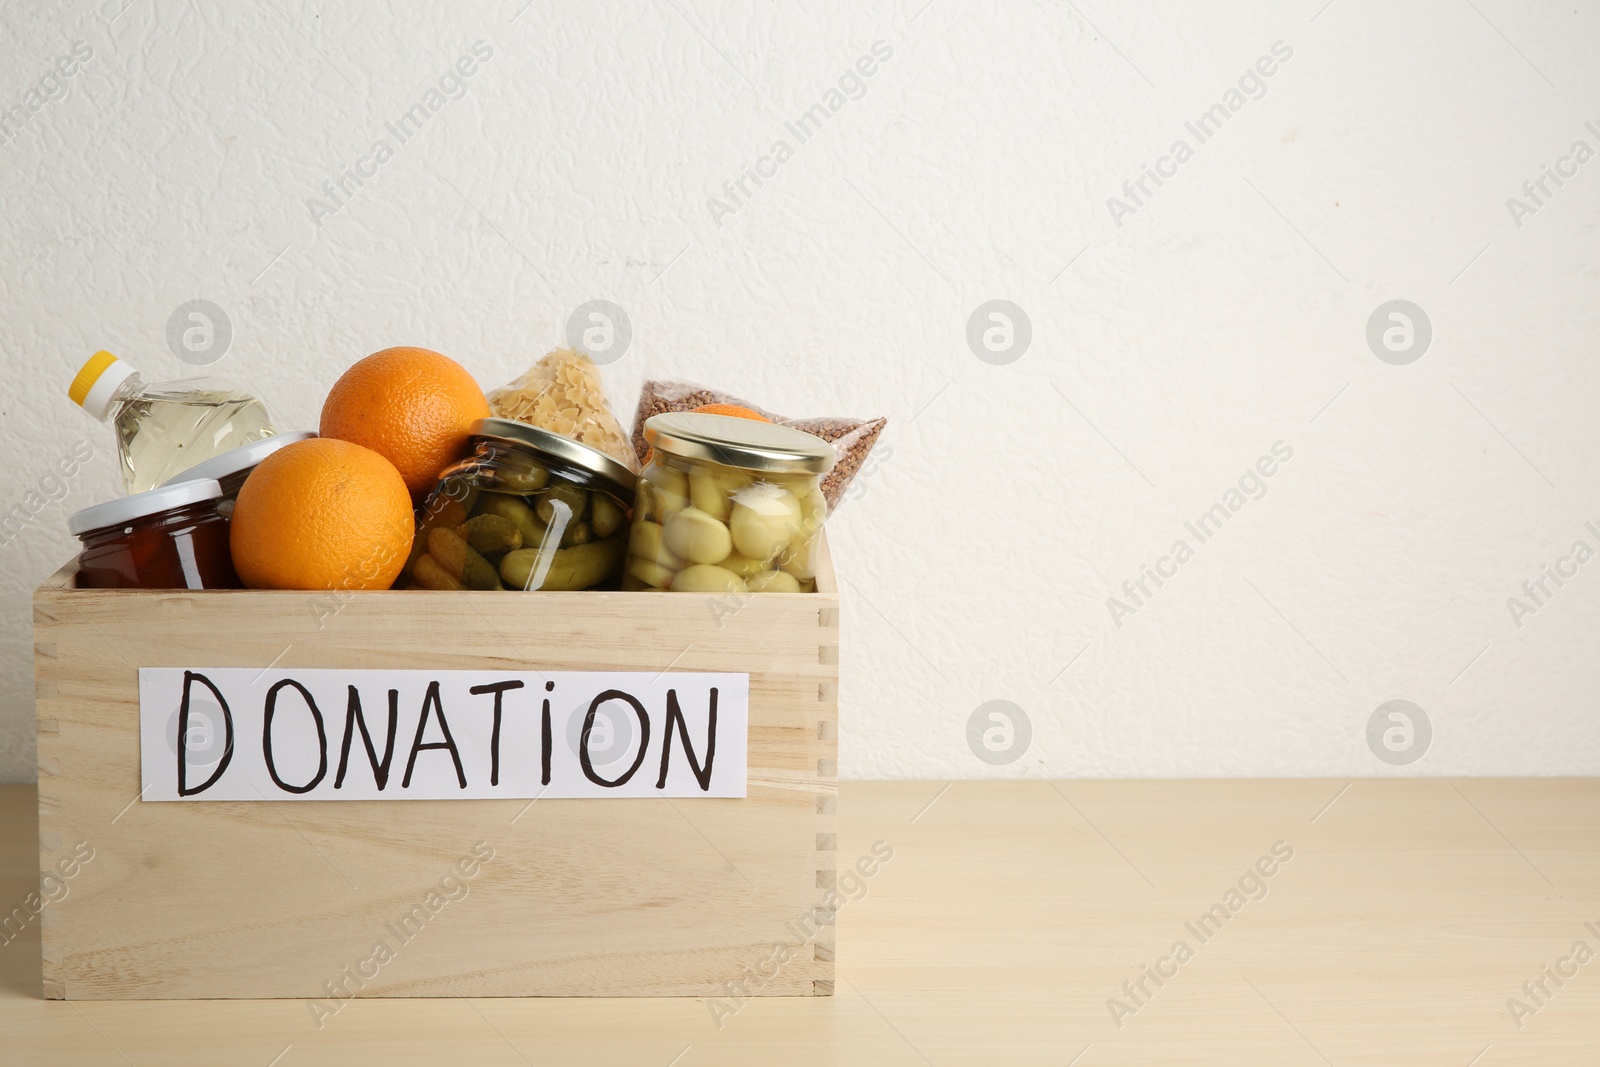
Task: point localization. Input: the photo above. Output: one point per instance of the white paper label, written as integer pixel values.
(240, 733)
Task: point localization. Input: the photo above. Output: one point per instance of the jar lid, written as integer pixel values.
(736, 442)
(142, 505)
(238, 459)
(561, 451)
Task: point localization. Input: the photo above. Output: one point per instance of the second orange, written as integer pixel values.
(410, 405)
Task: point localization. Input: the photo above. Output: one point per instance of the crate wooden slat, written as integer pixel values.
(583, 898)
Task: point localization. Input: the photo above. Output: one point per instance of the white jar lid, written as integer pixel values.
(235, 460)
(129, 509)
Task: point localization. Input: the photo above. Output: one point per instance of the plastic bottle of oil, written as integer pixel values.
(165, 428)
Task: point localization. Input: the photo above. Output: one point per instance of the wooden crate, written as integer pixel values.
(619, 897)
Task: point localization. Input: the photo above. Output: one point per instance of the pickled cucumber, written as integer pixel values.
(427, 573)
(575, 499)
(577, 533)
(443, 510)
(605, 514)
(578, 567)
(568, 532)
(518, 511)
(519, 480)
(458, 560)
(490, 535)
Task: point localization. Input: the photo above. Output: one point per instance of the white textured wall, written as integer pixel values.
(1226, 314)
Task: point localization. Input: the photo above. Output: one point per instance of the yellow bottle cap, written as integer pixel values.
(93, 385)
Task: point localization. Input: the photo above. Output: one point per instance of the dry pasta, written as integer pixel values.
(562, 393)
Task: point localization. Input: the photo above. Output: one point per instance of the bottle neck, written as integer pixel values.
(129, 389)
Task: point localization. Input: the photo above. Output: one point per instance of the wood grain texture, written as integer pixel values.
(1007, 917)
(614, 898)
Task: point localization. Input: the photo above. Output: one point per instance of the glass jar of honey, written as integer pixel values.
(166, 538)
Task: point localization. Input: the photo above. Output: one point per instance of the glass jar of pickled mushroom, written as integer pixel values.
(528, 509)
(727, 505)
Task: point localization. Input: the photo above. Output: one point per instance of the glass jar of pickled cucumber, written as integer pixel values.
(529, 509)
(728, 505)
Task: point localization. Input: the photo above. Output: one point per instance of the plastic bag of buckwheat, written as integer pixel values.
(851, 438)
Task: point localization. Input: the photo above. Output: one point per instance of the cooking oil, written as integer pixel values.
(164, 428)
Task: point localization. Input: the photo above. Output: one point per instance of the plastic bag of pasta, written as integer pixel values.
(562, 393)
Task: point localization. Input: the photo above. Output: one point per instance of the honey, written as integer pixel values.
(167, 538)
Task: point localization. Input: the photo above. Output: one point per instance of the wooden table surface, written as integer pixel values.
(1398, 925)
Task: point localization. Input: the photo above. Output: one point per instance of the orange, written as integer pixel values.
(411, 406)
(322, 514)
(736, 410)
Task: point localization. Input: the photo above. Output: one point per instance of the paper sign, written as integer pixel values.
(232, 733)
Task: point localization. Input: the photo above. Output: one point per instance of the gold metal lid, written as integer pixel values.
(587, 464)
(736, 442)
